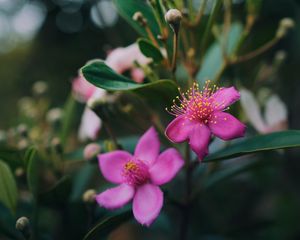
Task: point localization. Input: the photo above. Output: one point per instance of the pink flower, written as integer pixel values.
(139, 176)
(200, 114)
(122, 59)
(82, 89)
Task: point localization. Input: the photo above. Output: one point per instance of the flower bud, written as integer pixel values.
(23, 144)
(23, 225)
(22, 130)
(139, 17)
(173, 17)
(284, 25)
(57, 145)
(39, 88)
(54, 115)
(91, 151)
(89, 196)
(19, 172)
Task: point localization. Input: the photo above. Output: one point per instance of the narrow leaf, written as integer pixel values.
(103, 228)
(272, 141)
(8, 188)
(32, 170)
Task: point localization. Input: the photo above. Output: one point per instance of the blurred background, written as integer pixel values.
(49, 40)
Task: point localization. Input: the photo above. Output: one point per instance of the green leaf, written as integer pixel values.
(102, 76)
(68, 118)
(213, 59)
(272, 141)
(11, 156)
(129, 7)
(8, 188)
(31, 161)
(103, 228)
(149, 50)
(228, 172)
(59, 193)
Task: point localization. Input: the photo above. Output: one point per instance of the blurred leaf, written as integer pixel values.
(267, 142)
(68, 118)
(129, 7)
(8, 187)
(11, 156)
(149, 50)
(81, 180)
(102, 76)
(103, 228)
(227, 172)
(31, 161)
(59, 193)
(213, 59)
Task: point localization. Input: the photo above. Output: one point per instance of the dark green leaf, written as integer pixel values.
(103, 228)
(11, 156)
(102, 76)
(272, 141)
(59, 193)
(149, 50)
(31, 161)
(227, 172)
(8, 187)
(129, 7)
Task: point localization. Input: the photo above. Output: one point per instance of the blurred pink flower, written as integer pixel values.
(82, 89)
(275, 117)
(120, 60)
(200, 114)
(139, 177)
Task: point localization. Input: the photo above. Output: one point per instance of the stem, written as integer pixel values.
(186, 208)
(256, 52)
(175, 47)
(110, 133)
(226, 28)
(151, 36)
(210, 23)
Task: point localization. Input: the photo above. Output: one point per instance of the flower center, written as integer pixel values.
(135, 172)
(195, 104)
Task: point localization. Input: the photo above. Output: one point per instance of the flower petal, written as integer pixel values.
(276, 111)
(89, 126)
(252, 111)
(111, 165)
(147, 148)
(224, 97)
(147, 203)
(199, 140)
(178, 130)
(226, 126)
(115, 197)
(166, 166)
(137, 75)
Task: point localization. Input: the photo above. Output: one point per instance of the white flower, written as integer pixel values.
(275, 115)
